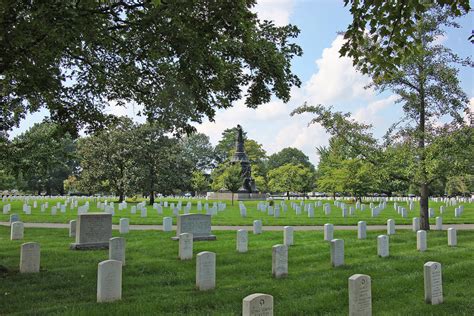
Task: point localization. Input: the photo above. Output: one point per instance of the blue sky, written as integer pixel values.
(326, 79)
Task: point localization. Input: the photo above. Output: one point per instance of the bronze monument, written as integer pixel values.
(248, 184)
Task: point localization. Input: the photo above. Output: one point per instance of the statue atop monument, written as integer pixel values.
(241, 157)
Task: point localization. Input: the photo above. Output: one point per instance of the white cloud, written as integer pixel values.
(370, 114)
(278, 11)
(336, 80)
(440, 39)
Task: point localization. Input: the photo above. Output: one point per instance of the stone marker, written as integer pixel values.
(361, 230)
(205, 271)
(109, 281)
(30, 257)
(328, 232)
(17, 231)
(257, 304)
(185, 251)
(124, 226)
(337, 252)
(197, 224)
(242, 240)
(279, 261)
(117, 249)
(288, 235)
(415, 224)
(390, 227)
(360, 295)
(383, 246)
(439, 223)
(93, 231)
(421, 240)
(72, 228)
(14, 218)
(433, 283)
(257, 227)
(167, 224)
(452, 238)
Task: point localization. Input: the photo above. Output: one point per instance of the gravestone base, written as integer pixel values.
(199, 238)
(89, 246)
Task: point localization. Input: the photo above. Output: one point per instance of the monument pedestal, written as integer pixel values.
(238, 196)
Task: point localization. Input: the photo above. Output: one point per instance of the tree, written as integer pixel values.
(161, 165)
(199, 151)
(291, 178)
(384, 33)
(107, 160)
(42, 159)
(232, 179)
(428, 88)
(460, 185)
(180, 60)
(199, 182)
(288, 155)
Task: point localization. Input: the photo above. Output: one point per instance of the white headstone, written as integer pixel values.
(415, 224)
(30, 257)
(421, 240)
(109, 281)
(257, 305)
(257, 227)
(360, 295)
(452, 238)
(17, 231)
(390, 227)
(242, 240)
(279, 261)
(185, 251)
(124, 225)
(439, 223)
(117, 249)
(337, 252)
(167, 224)
(361, 230)
(383, 246)
(433, 283)
(328, 232)
(205, 271)
(288, 235)
(72, 228)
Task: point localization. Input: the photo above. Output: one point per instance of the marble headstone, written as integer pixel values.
(197, 224)
(93, 231)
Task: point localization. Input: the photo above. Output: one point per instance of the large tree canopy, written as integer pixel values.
(429, 147)
(384, 33)
(180, 60)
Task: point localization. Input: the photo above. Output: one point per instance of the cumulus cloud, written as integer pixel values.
(278, 11)
(336, 80)
(370, 114)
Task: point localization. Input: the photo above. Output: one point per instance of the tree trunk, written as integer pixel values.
(232, 198)
(288, 195)
(152, 197)
(424, 217)
(121, 197)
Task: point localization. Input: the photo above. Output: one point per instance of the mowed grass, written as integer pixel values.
(231, 215)
(156, 282)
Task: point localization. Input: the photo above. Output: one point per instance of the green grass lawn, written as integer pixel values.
(156, 282)
(231, 216)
